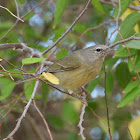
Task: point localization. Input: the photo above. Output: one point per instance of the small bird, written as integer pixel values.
(79, 67)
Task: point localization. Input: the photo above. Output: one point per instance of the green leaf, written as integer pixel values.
(29, 87)
(62, 54)
(98, 6)
(55, 121)
(6, 86)
(134, 44)
(128, 24)
(73, 136)
(45, 93)
(92, 85)
(69, 112)
(124, 6)
(109, 83)
(28, 61)
(131, 85)
(58, 32)
(60, 8)
(80, 27)
(123, 52)
(129, 97)
(122, 74)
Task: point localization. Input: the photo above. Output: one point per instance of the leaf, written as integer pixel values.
(122, 74)
(98, 6)
(60, 8)
(62, 54)
(55, 121)
(134, 128)
(45, 93)
(28, 61)
(80, 27)
(69, 113)
(29, 88)
(58, 32)
(123, 52)
(131, 85)
(134, 44)
(124, 6)
(92, 85)
(7, 87)
(109, 83)
(50, 77)
(129, 97)
(127, 25)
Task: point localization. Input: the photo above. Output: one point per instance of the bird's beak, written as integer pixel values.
(108, 49)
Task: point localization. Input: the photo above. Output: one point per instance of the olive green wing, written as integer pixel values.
(70, 62)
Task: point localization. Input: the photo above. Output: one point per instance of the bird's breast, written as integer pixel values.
(78, 77)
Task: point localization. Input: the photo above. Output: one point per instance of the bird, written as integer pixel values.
(78, 68)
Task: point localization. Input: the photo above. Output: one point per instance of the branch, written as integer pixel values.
(20, 46)
(24, 112)
(114, 3)
(125, 40)
(119, 12)
(107, 109)
(15, 24)
(12, 13)
(83, 106)
(46, 124)
(69, 29)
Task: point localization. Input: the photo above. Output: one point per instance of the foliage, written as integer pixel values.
(40, 29)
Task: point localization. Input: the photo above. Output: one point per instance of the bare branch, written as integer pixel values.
(83, 106)
(46, 124)
(15, 24)
(24, 112)
(69, 29)
(130, 55)
(125, 40)
(12, 13)
(107, 109)
(114, 3)
(20, 46)
(119, 12)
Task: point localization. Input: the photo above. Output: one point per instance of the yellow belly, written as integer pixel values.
(76, 78)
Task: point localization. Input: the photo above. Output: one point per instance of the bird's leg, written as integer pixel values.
(87, 93)
(72, 94)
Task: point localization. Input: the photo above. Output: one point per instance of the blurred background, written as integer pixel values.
(40, 29)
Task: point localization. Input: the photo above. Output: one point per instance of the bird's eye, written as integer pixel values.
(98, 50)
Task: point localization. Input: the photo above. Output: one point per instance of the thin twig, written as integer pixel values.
(83, 106)
(98, 117)
(130, 56)
(119, 12)
(125, 40)
(24, 112)
(12, 13)
(69, 29)
(46, 124)
(8, 72)
(110, 37)
(15, 24)
(33, 9)
(3, 117)
(130, 133)
(22, 47)
(107, 109)
(17, 8)
(96, 27)
(114, 3)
